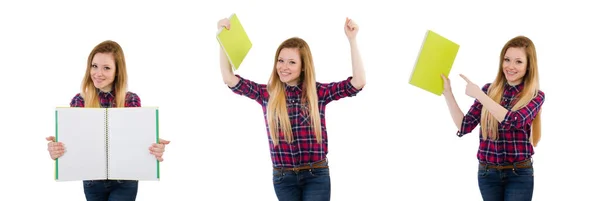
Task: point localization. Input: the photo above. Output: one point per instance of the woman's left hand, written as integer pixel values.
(158, 149)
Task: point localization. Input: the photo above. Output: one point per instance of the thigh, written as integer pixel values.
(95, 190)
(123, 190)
(519, 186)
(317, 186)
(490, 184)
(286, 186)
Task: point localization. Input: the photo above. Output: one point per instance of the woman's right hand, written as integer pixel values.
(56, 149)
(223, 23)
(447, 87)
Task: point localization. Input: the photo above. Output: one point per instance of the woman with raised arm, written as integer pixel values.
(293, 105)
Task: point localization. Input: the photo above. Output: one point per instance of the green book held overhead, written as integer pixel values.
(235, 42)
(435, 58)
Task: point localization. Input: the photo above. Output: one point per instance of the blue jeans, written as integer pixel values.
(506, 185)
(312, 184)
(110, 190)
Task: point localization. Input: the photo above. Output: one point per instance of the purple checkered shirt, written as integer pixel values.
(514, 131)
(107, 99)
(304, 148)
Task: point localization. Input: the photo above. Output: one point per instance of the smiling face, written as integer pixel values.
(289, 66)
(103, 71)
(514, 65)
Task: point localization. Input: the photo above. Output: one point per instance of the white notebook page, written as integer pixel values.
(82, 132)
(131, 132)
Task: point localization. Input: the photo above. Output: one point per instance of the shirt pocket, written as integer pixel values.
(304, 115)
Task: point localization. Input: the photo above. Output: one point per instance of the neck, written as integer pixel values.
(515, 83)
(292, 83)
(105, 90)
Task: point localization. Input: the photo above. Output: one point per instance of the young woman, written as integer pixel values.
(105, 85)
(293, 105)
(508, 112)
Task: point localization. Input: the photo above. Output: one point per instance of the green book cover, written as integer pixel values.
(235, 42)
(436, 57)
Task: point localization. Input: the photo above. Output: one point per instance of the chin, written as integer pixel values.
(99, 87)
(283, 80)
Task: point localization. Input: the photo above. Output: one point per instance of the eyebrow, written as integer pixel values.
(510, 58)
(286, 59)
(105, 65)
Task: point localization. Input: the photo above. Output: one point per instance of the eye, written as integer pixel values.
(280, 60)
(94, 66)
(506, 59)
(292, 62)
(519, 61)
(106, 68)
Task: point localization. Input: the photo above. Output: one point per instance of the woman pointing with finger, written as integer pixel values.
(508, 112)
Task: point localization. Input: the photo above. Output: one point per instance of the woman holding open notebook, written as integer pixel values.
(508, 112)
(105, 85)
(293, 105)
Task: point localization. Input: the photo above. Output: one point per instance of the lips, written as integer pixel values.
(98, 80)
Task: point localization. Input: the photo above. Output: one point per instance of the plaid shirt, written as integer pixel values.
(107, 100)
(514, 131)
(304, 148)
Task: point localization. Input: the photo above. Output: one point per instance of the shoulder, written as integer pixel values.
(541, 96)
(541, 93)
(248, 81)
(77, 101)
(486, 87)
(77, 97)
(131, 95)
(325, 84)
(132, 100)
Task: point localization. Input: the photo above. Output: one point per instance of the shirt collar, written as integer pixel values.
(105, 94)
(517, 88)
(291, 88)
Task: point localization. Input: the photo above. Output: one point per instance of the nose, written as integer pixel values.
(512, 65)
(96, 73)
(283, 66)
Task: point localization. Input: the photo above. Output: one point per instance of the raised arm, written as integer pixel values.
(358, 71)
(465, 123)
(228, 77)
(455, 112)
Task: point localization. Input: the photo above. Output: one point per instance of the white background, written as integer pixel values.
(391, 142)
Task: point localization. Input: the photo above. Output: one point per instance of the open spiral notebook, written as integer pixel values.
(106, 143)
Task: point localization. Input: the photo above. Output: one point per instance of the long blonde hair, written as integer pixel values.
(489, 125)
(89, 91)
(277, 114)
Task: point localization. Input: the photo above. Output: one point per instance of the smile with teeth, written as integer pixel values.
(511, 72)
(284, 74)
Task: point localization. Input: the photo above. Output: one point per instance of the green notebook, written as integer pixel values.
(436, 57)
(234, 41)
(106, 143)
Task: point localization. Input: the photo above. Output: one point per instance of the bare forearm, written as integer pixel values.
(358, 71)
(228, 77)
(496, 109)
(455, 112)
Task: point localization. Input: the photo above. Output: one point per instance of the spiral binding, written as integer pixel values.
(106, 143)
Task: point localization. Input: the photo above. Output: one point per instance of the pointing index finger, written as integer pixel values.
(465, 78)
